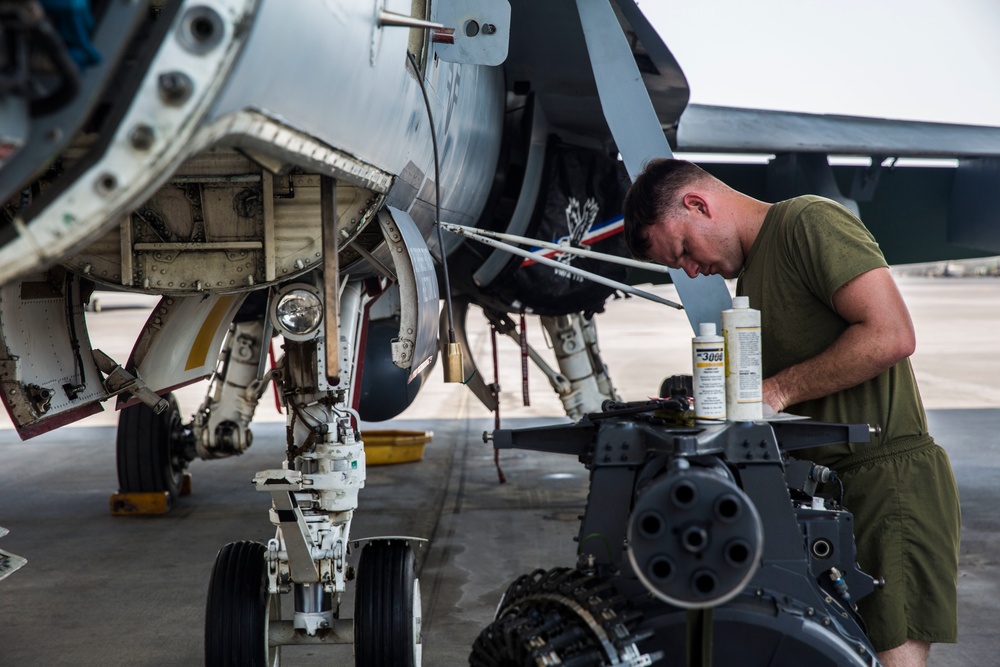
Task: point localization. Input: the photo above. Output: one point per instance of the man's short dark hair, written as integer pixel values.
(653, 193)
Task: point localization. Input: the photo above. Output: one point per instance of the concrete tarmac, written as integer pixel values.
(100, 590)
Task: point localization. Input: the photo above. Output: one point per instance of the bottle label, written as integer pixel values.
(749, 381)
(709, 380)
(741, 329)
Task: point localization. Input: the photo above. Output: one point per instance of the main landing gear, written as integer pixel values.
(154, 450)
(153, 454)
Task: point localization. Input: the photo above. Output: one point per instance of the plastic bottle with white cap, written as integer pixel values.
(741, 331)
(709, 373)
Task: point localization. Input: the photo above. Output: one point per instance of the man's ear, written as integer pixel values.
(694, 202)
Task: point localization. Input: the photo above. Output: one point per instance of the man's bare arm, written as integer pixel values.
(880, 334)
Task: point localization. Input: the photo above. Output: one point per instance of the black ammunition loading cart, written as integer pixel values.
(699, 545)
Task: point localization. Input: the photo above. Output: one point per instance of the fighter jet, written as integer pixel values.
(291, 168)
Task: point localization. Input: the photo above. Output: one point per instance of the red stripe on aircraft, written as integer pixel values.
(608, 230)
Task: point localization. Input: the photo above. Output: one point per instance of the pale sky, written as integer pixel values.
(934, 60)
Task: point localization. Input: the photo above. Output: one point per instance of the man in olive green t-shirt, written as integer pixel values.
(836, 339)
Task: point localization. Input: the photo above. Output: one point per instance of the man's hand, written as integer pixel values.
(773, 395)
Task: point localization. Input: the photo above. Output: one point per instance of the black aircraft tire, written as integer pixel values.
(150, 449)
(239, 609)
(387, 607)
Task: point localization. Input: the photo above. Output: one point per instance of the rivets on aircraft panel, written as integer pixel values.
(175, 87)
(201, 30)
(105, 184)
(142, 137)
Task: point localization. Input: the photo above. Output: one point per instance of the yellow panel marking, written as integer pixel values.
(203, 341)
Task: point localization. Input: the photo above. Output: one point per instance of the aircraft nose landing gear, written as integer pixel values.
(314, 494)
(243, 624)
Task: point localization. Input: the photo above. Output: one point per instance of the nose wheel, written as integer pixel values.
(387, 615)
(240, 609)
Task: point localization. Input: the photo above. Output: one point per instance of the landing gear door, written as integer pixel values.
(180, 341)
(417, 344)
(48, 377)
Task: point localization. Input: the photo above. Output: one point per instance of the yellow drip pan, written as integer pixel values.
(394, 446)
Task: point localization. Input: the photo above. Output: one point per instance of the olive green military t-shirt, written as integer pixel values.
(807, 248)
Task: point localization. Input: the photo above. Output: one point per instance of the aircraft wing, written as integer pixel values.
(706, 128)
(943, 209)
